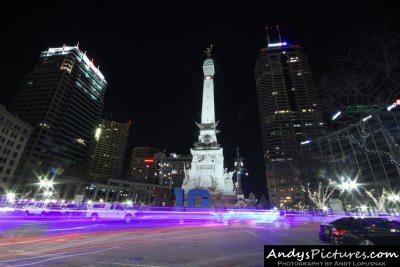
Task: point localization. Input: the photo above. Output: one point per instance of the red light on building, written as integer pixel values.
(149, 160)
(130, 122)
(398, 102)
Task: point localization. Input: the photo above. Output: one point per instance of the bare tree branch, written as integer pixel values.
(368, 74)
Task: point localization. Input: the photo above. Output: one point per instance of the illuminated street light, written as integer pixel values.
(48, 194)
(349, 185)
(45, 183)
(10, 196)
(394, 197)
(364, 208)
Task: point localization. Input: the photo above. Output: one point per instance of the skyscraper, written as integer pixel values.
(289, 114)
(109, 149)
(14, 135)
(62, 99)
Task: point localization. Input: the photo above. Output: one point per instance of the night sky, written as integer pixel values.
(152, 55)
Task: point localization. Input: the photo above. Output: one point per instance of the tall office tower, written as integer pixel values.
(62, 98)
(109, 149)
(143, 164)
(14, 135)
(289, 114)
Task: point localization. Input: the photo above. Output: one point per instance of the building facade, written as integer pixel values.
(171, 170)
(14, 135)
(287, 99)
(143, 164)
(367, 152)
(121, 191)
(62, 99)
(109, 149)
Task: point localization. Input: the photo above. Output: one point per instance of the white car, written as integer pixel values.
(42, 209)
(109, 211)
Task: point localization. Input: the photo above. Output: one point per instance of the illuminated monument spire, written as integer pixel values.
(207, 167)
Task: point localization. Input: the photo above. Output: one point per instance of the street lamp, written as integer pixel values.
(11, 196)
(349, 185)
(394, 198)
(47, 194)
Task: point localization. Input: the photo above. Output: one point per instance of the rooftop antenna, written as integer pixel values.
(77, 45)
(268, 41)
(279, 33)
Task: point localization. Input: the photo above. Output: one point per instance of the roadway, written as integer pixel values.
(78, 242)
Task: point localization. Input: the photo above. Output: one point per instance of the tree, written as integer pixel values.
(379, 201)
(321, 195)
(366, 77)
(363, 81)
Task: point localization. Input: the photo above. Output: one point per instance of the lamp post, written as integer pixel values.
(349, 185)
(47, 185)
(11, 197)
(240, 170)
(394, 198)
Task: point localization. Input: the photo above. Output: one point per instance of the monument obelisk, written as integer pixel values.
(207, 167)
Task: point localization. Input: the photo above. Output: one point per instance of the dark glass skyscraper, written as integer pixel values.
(62, 99)
(109, 149)
(289, 114)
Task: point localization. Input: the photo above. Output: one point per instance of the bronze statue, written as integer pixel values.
(208, 51)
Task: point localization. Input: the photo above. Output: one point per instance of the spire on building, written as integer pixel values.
(279, 34)
(268, 41)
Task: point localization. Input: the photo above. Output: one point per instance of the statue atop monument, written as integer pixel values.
(208, 51)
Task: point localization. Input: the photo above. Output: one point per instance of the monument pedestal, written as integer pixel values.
(220, 201)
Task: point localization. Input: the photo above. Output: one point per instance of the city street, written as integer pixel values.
(78, 242)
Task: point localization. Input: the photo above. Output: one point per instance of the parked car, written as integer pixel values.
(6, 207)
(43, 209)
(73, 210)
(361, 231)
(20, 208)
(109, 211)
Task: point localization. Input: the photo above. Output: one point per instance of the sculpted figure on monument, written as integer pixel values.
(208, 51)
